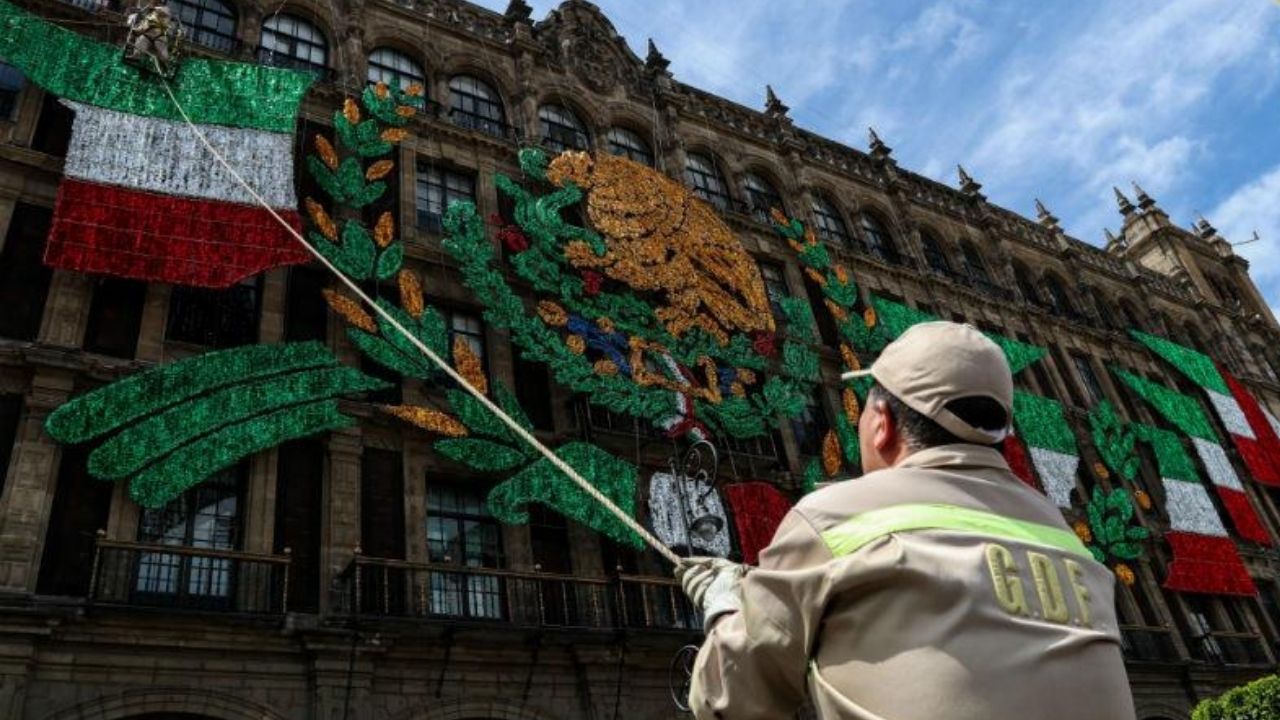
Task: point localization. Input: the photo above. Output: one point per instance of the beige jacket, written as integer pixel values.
(942, 589)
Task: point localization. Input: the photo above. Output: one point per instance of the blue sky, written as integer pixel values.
(1052, 100)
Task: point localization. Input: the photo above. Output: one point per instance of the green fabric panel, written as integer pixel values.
(1197, 366)
(856, 532)
(214, 92)
(1040, 423)
(1172, 457)
(1179, 409)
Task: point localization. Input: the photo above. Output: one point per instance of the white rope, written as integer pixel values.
(516, 428)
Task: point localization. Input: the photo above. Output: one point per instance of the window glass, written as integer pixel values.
(706, 181)
(561, 130)
(210, 23)
(461, 532)
(215, 318)
(762, 196)
(206, 516)
(11, 83)
(879, 241)
(438, 186)
(474, 105)
(629, 144)
(933, 253)
(394, 69)
(290, 41)
(830, 226)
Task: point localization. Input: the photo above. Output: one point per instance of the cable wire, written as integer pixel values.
(453, 374)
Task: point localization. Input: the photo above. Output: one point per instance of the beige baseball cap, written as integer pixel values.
(935, 363)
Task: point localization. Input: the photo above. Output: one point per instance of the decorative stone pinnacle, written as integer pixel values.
(654, 60)
(1112, 240)
(968, 185)
(1144, 200)
(878, 148)
(518, 11)
(1046, 218)
(1206, 230)
(772, 105)
(1126, 207)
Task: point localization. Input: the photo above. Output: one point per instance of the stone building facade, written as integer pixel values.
(298, 585)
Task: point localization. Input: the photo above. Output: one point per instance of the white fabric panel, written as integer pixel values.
(1191, 510)
(162, 156)
(1217, 465)
(1057, 473)
(671, 522)
(1231, 414)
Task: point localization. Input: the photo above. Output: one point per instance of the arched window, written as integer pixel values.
(629, 144)
(475, 105)
(879, 241)
(562, 130)
(210, 23)
(1022, 276)
(830, 225)
(762, 196)
(395, 69)
(706, 180)
(1059, 301)
(1103, 306)
(934, 254)
(974, 265)
(290, 41)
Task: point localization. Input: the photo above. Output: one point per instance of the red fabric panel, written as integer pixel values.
(758, 509)
(162, 238)
(1015, 453)
(1204, 564)
(1243, 515)
(1262, 456)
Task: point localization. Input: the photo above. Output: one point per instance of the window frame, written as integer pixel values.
(761, 196)
(706, 181)
(934, 254)
(625, 142)
(877, 237)
(12, 83)
(293, 42)
(561, 129)
(209, 35)
(413, 73)
(455, 594)
(475, 104)
(829, 223)
(439, 178)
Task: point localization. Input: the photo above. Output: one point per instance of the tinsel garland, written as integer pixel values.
(1111, 523)
(1260, 450)
(543, 483)
(1254, 436)
(144, 394)
(184, 421)
(758, 509)
(137, 446)
(685, 513)
(169, 477)
(162, 238)
(1114, 440)
(214, 92)
(1185, 413)
(1182, 411)
(1211, 565)
(160, 156)
(1015, 454)
(1043, 427)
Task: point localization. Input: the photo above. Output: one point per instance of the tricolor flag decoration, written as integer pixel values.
(142, 197)
(1185, 413)
(1047, 438)
(1205, 559)
(1254, 431)
(758, 510)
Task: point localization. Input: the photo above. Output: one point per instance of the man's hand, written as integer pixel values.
(712, 584)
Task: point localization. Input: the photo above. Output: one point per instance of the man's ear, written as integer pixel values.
(886, 430)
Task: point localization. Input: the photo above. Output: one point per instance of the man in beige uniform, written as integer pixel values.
(937, 586)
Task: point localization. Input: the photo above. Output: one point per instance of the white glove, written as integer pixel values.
(712, 584)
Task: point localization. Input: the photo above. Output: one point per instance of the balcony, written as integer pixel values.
(188, 578)
(1148, 644)
(439, 592)
(1229, 648)
(480, 123)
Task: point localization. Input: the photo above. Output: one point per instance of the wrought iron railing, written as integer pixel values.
(180, 577)
(385, 588)
(1148, 644)
(486, 125)
(1229, 648)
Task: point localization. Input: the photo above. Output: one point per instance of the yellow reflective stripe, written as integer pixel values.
(852, 534)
